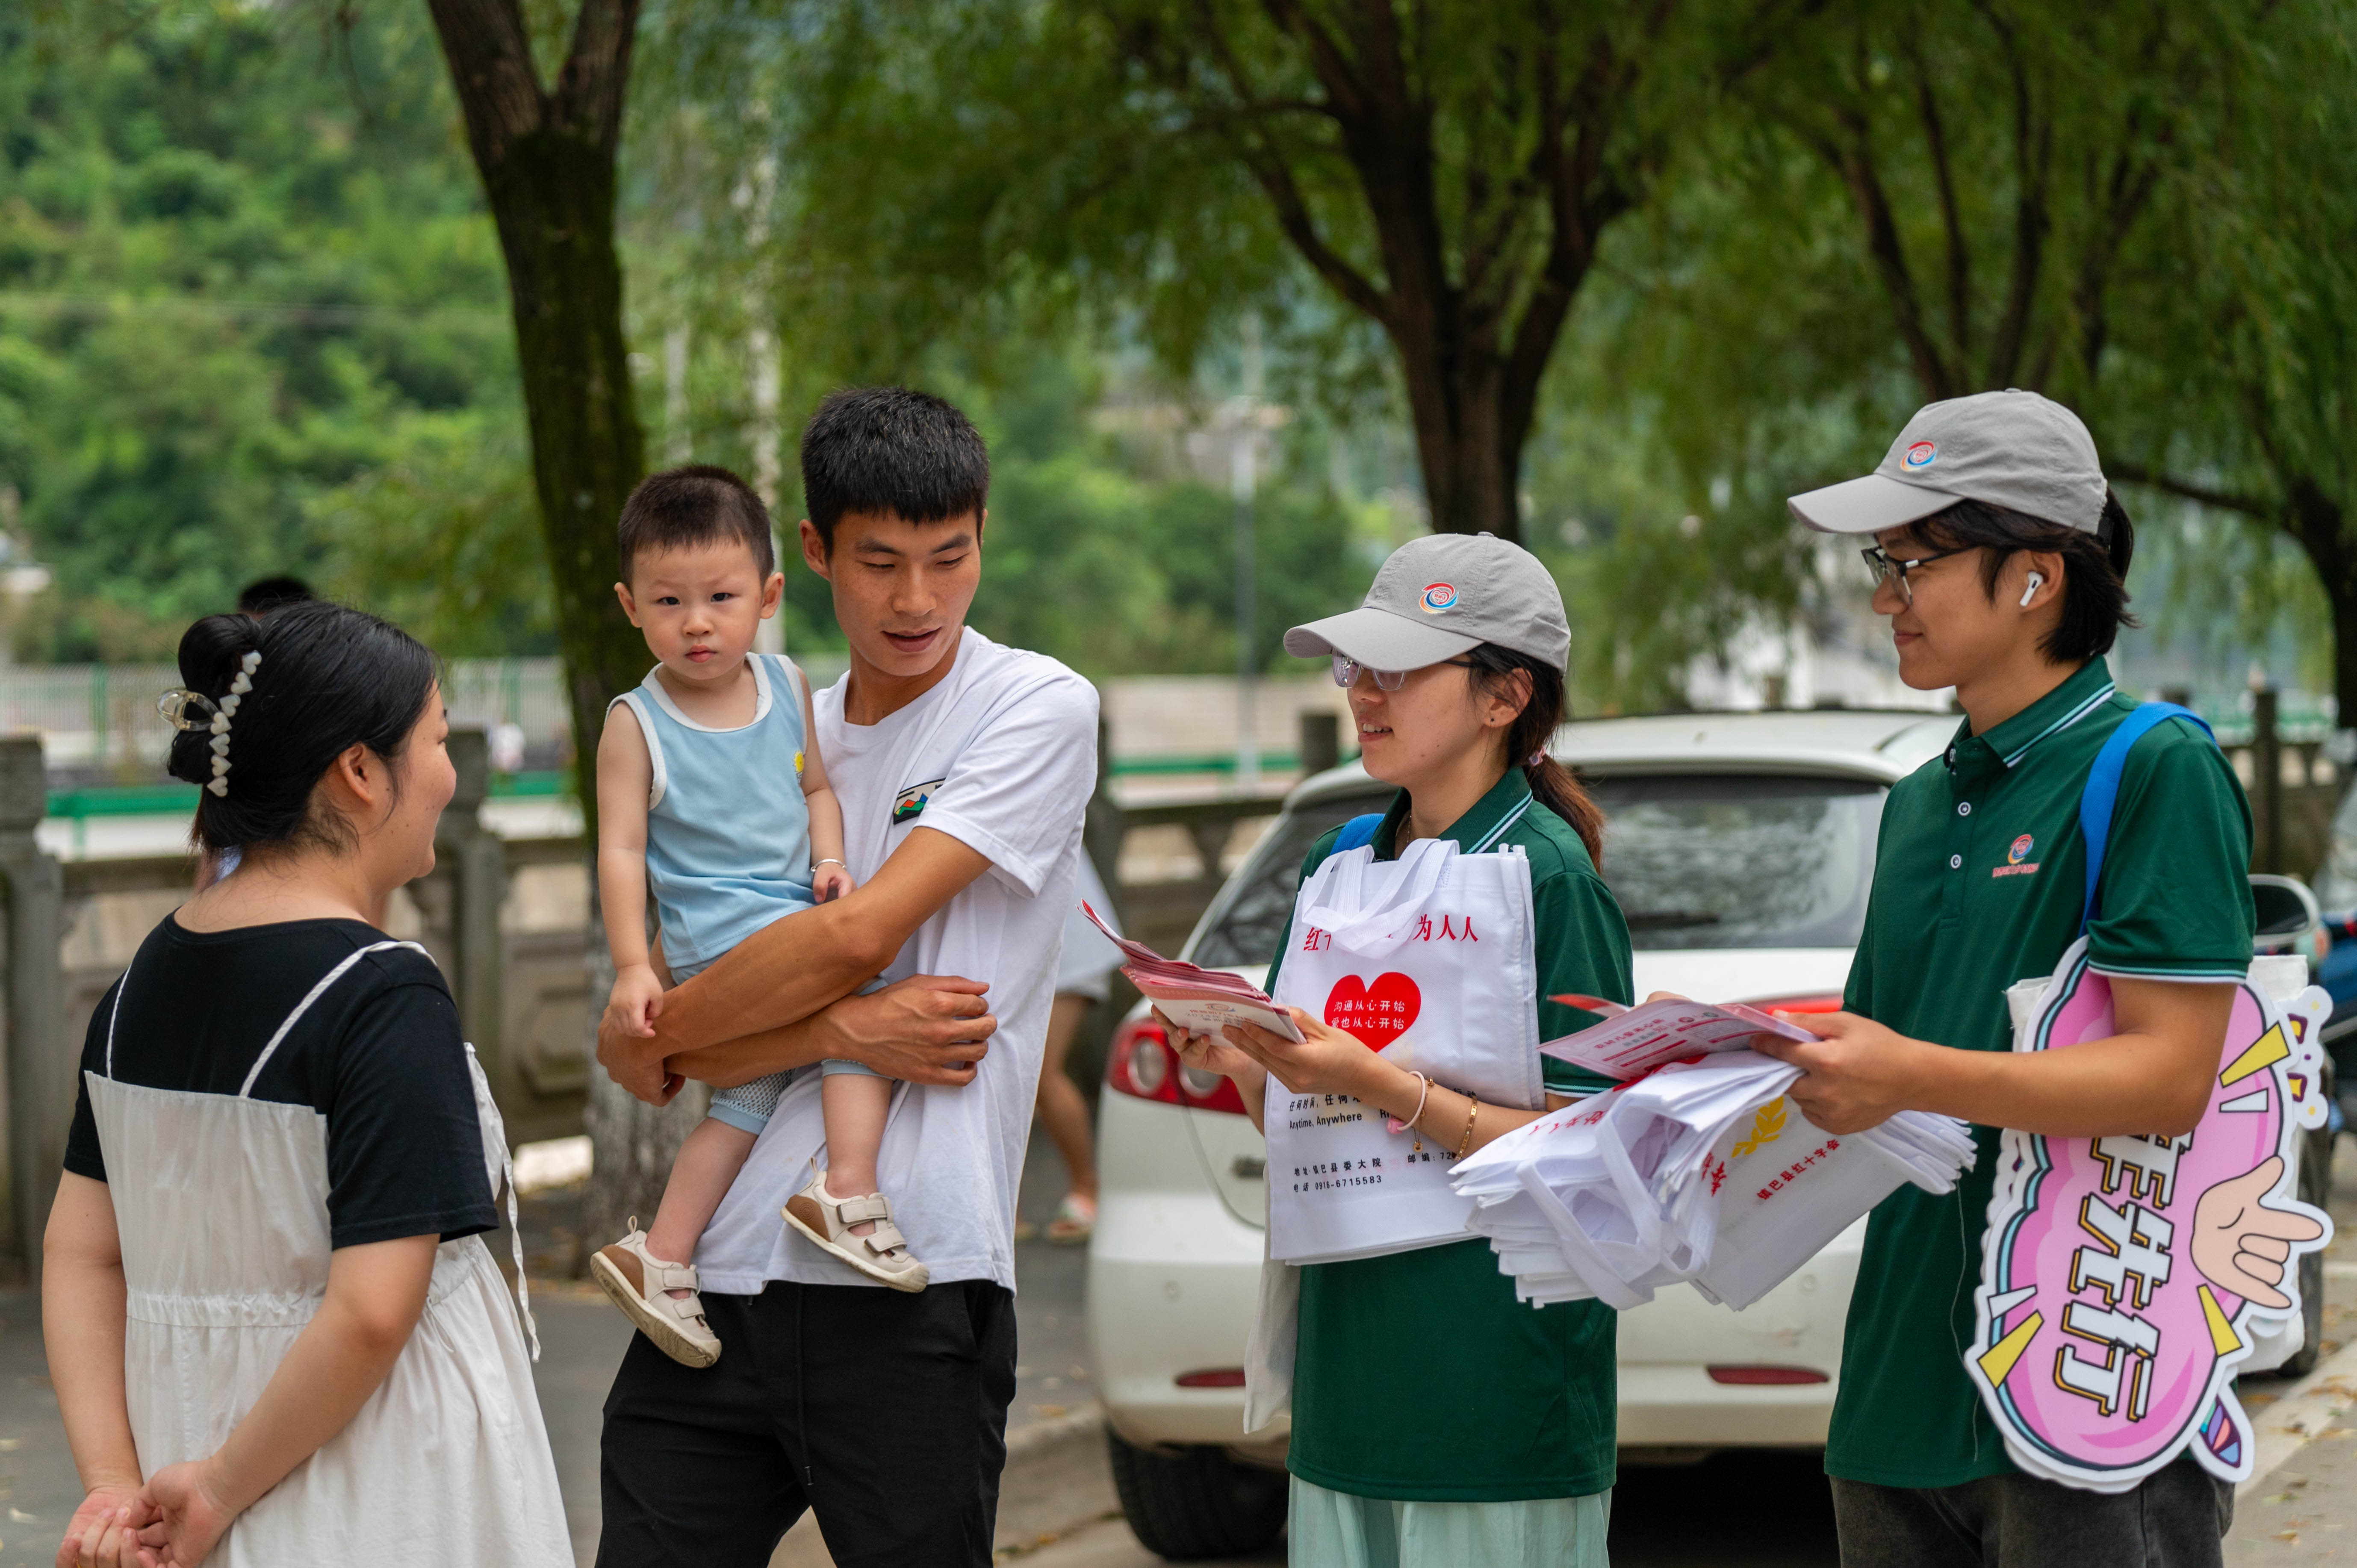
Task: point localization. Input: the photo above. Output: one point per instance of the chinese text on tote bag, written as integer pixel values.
(1428, 961)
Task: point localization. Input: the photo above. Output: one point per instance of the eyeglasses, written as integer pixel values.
(1346, 672)
(1886, 569)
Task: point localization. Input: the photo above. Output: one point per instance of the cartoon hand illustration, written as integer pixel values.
(2240, 1245)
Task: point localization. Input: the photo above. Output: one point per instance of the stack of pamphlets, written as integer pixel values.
(1696, 1168)
(1200, 1001)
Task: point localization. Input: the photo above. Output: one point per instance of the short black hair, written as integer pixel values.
(698, 504)
(2094, 566)
(262, 597)
(889, 449)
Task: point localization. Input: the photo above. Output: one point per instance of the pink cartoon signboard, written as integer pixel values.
(2125, 1278)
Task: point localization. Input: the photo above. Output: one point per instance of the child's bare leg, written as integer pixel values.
(855, 1105)
(709, 1159)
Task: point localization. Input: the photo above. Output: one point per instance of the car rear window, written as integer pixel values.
(1696, 860)
(1735, 861)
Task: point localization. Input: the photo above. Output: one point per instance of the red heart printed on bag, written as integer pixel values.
(1377, 1014)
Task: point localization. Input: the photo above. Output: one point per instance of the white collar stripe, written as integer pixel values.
(2066, 720)
(1508, 820)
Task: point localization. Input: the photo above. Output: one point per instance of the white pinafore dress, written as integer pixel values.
(222, 1201)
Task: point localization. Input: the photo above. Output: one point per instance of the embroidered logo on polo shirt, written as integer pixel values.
(911, 803)
(2015, 854)
(1921, 455)
(1440, 596)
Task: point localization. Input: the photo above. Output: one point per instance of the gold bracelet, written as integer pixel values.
(1472, 1109)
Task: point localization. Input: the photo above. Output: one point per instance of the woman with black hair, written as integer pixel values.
(274, 1329)
(1438, 1421)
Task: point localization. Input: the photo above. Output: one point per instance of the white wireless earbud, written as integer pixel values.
(2029, 593)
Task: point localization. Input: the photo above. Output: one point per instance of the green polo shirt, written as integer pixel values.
(1978, 881)
(1420, 1376)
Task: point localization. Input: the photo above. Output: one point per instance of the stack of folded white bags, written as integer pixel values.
(1701, 1171)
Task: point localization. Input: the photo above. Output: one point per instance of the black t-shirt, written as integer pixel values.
(380, 1055)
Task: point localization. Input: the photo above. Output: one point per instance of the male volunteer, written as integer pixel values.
(1999, 552)
(963, 768)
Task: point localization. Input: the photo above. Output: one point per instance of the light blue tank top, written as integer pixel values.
(728, 845)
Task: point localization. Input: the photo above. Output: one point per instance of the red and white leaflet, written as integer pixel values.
(1200, 1001)
(1633, 1043)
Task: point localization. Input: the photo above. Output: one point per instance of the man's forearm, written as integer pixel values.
(779, 976)
(748, 1056)
(792, 968)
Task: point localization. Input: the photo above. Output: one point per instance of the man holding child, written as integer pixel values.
(961, 769)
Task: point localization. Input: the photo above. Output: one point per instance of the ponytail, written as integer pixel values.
(1492, 671)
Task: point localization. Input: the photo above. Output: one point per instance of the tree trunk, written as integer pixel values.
(2317, 522)
(553, 198)
(547, 158)
(1473, 464)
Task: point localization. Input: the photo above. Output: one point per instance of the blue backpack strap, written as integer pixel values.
(1358, 832)
(2102, 791)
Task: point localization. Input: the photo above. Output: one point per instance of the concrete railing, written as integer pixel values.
(512, 951)
(507, 919)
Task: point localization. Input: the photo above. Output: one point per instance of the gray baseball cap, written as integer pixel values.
(1439, 596)
(2013, 449)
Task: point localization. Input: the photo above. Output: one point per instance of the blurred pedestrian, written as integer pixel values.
(267, 594)
(274, 1329)
(1084, 982)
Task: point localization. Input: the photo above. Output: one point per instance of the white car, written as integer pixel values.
(1740, 847)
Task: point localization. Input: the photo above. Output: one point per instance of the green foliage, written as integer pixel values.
(242, 266)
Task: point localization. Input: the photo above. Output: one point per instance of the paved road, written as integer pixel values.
(1760, 1511)
(582, 1340)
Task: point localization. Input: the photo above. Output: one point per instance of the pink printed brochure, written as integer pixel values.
(1200, 1001)
(1633, 1041)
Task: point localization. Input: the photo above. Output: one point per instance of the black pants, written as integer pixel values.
(886, 1410)
(2177, 1518)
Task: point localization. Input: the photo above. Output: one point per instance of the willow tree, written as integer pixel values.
(1446, 174)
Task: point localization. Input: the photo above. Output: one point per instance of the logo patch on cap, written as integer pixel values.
(1440, 596)
(1921, 455)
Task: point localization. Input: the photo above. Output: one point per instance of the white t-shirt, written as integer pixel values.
(1090, 958)
(1002, 756)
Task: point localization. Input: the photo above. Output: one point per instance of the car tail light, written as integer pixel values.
(1767, 1377)
(1211, 1378)
(1142, 1063)
(1827, 1002)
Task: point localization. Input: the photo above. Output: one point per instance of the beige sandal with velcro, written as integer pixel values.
(827, 1220)
(637, 1282)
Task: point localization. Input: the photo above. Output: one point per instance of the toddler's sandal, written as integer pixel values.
(826, 1221)
(636, 1280)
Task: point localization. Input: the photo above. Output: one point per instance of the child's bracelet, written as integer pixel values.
(830, 860)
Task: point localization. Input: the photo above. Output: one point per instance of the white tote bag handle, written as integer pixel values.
(1378, 930)
(1586, 1261)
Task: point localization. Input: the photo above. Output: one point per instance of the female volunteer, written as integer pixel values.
(275, 1331)
(1435, 1419)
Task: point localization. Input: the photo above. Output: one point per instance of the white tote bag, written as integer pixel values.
(1428, 961)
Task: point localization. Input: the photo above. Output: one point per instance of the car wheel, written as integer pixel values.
(1186, 1504)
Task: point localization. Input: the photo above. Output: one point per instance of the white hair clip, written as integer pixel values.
(175, 704)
